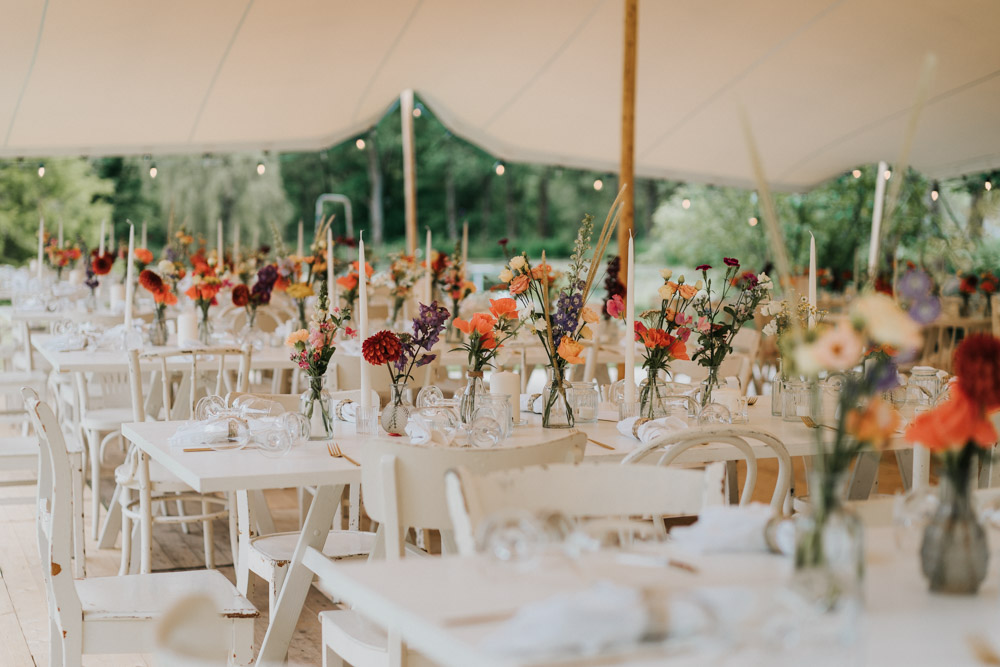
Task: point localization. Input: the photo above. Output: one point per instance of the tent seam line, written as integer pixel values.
(27, 76)
(218, 70)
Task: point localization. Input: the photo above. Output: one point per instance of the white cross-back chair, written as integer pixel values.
(111, 614)
(581, 491)
(403, 487)
(164, 486)
(268, 554)
(666, 450)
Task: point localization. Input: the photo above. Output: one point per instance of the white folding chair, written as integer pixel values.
(404, 487)
(111, 614)
(581, 491)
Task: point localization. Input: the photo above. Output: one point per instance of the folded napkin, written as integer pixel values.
(422, 432)
(345, 410)
(730, 528)
(586, 622)
(67, 343)
(649, 431)
(532, 403)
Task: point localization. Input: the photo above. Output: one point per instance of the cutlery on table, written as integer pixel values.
(600, 444)
(812, 423)
(335, 452)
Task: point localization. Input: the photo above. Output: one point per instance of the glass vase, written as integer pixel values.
(709, 385)
(205, 328)
(954, 553)
(397, 410)
(474, 389)
(91, 303)
(829, 544)
(556, 409)
(653, 394)
(777, 407)
(317, 406)
(158, 329)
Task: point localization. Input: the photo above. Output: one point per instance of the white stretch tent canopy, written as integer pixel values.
(827, 83)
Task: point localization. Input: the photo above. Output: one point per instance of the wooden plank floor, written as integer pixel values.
(23, 613)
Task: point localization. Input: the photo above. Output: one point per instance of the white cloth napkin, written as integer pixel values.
(651, 430)
(528, 405)
(422, 432)
(67, 343)
(726, 528)
(345, 410)
(584, 621)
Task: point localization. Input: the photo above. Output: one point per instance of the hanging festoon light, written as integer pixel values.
(499, 168)
(360, 143)
(418, 110)
(685, 204)
(598, 184)
(261, 168)
(856, 173)
(153, 171)
(752, 221)
(988, 185)
(887, 174)
(934, 195)
(41, 170)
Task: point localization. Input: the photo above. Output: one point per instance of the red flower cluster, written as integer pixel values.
(658, 338)
(977, 367)
(160, 290)
(102, 263)
(383, 347)
(241, 295)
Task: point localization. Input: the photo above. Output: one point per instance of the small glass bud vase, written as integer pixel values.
(397, 411)
(653, 393)
(955, 553)
(317, 406)
(205, 328)
(474, 390)
(584, 398)
(158, 330)
(556, 409)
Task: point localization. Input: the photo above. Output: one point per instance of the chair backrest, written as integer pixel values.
(672, 446)
(586, 490)
(403, 484)
(53, 511)
(173, 406)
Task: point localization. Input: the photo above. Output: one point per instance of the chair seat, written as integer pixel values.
(107, 419)
(339, 544)
(343, 627)
(19, 453)
(163, 480)
(148, 596)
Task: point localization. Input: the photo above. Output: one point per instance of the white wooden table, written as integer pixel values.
(443, 607)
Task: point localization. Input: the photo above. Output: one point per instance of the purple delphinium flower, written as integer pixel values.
(884, 376)
(266, 277)
(429, 324)
(914, 284)
(567, 312)
(925, 309)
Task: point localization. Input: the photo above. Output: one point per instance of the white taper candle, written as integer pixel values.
(129, 276)
(630, 325)
(366, 384)
(41, 247)
(812, 279)
(104, 224)
(428, 288)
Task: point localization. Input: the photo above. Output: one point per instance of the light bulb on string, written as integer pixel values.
(934, 195)
(261, 168)
(360, 143)
(686, 204)
(153, 171)
(499, 168)
(988, 186)
(856, 173)
(41, 171)
(887, 174)
(598, 184)
(752, 222)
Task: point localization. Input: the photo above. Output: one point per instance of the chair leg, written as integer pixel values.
(331, 659)
(243, 648)
(79, 557)
(275, 584)
(180, 512)
(94, 447)
(72, 646)
(354, 510)
(55, 643)
(112, 522)
(126, 530)
(233, 530)
(208, 532)
(305, 500)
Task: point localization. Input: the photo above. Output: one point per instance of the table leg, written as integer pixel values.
(904, 461)
(865, 476)
(146, 514)
(244, 521)
(293, 593)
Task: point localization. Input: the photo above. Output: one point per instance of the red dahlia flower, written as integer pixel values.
(383, 347)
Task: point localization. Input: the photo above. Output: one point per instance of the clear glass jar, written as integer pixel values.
(955, 553)
(584, 397)
(653, 392)
(474, 390)
(158, 329)
(497, 407)
(795, 400)
(316, 405)
(777, 407)
(205, 327)
(923, 386)
(556, 410)
(397, 410)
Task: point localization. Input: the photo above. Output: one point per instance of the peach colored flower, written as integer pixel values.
(876, 423)
(503, 308)
(589, 316)
(519, 285)
(570, 350)
(687, 291)
(300, 336)
(839, 348)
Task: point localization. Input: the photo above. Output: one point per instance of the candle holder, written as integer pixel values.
(366, 420)
(628, 409)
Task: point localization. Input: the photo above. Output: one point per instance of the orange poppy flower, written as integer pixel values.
(503, 308)
(348, 282)
(542, 270)
(952, 424)
(876, 423)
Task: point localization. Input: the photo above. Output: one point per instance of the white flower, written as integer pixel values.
(885, 322)
(506, 276)
(770, 329)
(764, 281)
(666, 273)
(805, 359)
(165, 267)
(772, 307)
(839, 348)
(517, 262)
(699, 284)
(666, 291)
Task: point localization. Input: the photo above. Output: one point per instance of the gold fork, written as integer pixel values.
(812, 423)
(335, 452)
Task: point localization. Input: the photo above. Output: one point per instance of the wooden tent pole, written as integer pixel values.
(409, 170)
(627, 170)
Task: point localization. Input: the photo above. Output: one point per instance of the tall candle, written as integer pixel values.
(60, 233)
(219, 248)
(130, 276)
(300, 251)
(187, 326)
(103, 225)
(236, 243)
(255, 239)
(41, 246)
(366, 383)
(630, 325)
(876, 221)
(428, 289)
(145, 237)
(329, 268)
(812, 279)
(112, 248)
(465, 253)
(507, 383)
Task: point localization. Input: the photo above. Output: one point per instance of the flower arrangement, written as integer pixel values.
(664, 333)
(558, 322)
(60, 256)
(613, 285)
(313, 347)
(439, 263)
(205, 286)
(400, 278)
(99, 265)
(349, 284)
(487, 332)
(455, 285)
(163, 296)
(960, 433)
(299, 292)
(783, 314)
(142, 257)
(259, 295)
(719, 321)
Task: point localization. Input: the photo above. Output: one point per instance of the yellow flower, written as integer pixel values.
(667, 291)
(517, 262)
(300, 336)
(506, 276)
(589, 316)
(299, 290)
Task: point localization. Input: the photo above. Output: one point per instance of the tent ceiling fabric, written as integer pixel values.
(827, 84)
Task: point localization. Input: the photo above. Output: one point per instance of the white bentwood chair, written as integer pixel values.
(581, 491)
(403, 487)
(111, 614)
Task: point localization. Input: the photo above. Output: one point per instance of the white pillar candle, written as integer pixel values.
(366, 383)
(236, 243)
(428, 288)
(112, 248)
(60, 233)
(103, 225)
(300, 251)
(41, 247)
(330, 283)
(219, 248)
(129, 276)
(465, 253)
(145, 236)
(116, 295)
(812, 279)
(630, 325)
(187, 326)
(876, 220)
(507, 383)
